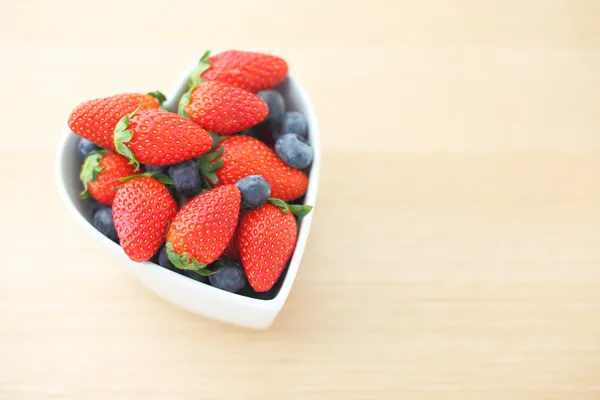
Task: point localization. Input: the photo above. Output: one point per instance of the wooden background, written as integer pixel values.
(456, 244)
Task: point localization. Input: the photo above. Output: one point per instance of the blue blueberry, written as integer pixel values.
(294, 122)
(152, 168)
(230, 276)
(255, 191)
(163, 261)
(103, 221)
(186, 178)
(94, 205)
(193, 275)
(85, 147)
(294, 151)
(275, 102)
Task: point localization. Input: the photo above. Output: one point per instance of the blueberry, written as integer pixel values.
(230, 276)
(294, 151)
(275, 103)
(103, 221)
(85, 147)
(186, 178)
(94, 204)
(157, 169)
(163, 261)
(255, 191)
(294, 122)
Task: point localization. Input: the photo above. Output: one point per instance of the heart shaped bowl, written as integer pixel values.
(196, 297)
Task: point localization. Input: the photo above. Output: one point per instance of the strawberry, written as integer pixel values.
(158, 137)
(247, 70)
(142, 210)
(221, 108)
(267, 238)
(244, 155)
(232, 250)
(100, 175)
(203, 227)
(96, 119)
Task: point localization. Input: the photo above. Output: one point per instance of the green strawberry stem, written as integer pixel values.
(158, 96)
(123, 135)
(205, 272)
(203, 65)
(207, 165)
(184, 101)
(205, 186)
(195, 80)
(159, 177)
(296, 209)
(89, 171)
(186, 261)
(216, 140)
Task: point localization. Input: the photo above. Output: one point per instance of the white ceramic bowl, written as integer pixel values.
(186, 293)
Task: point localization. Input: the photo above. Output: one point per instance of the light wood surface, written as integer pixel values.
(455, 252)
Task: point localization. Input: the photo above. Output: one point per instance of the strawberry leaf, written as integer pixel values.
(300, 210)
(184, 101)
(217, 165)
(205, 168)
(208, 167)
(212, 177)
(182, 261)
(158, 96)
(203, 65)
(205, 272)
(89, 171)
(195, 79)
(153, 174)
(123, 135)
(126, 151)
(296, 209)
(206, 184)
(283, 206)
(163, 179)
(212, 156)
(216, 140)
(122, 124)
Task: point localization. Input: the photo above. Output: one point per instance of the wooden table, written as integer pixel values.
(456, 244)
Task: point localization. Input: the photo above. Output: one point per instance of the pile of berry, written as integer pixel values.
(212, 192)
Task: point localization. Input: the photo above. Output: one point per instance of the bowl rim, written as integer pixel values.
(303, 234)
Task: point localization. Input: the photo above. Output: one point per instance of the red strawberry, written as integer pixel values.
(100, 175)
(96, 119)
(244, 155)
(267, 238)
(221, 108)
(203, 227)
(232, 250)
(247, 70)
(158, 137)
(142, 210)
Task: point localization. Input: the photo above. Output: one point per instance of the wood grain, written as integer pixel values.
(455, 252)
